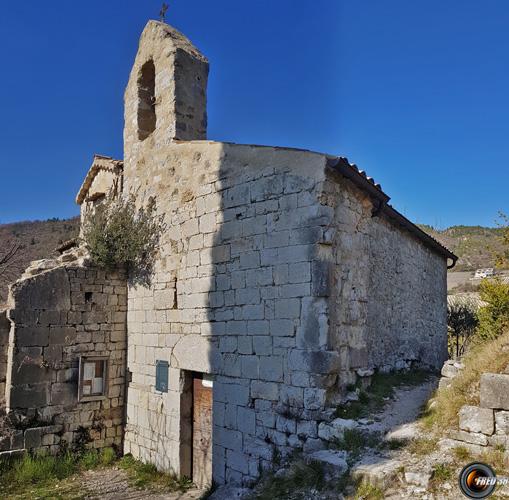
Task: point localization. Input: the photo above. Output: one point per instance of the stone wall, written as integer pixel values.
(263, 279)
(180, 98)
(41, 439)
(387, 304)
(407, 311)
(487, 425)
(60, 315)
(244, 289)
(5, 326)
(233, 278)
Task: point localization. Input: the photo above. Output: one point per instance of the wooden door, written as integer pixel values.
(202, 431)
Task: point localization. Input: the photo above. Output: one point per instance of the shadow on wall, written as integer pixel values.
(5, 327)
(267, 318)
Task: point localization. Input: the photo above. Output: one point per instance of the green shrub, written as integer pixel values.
(118, 234)
(494, 316)
(442, 472)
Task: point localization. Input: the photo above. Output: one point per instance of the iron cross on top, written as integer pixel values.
(162, 12)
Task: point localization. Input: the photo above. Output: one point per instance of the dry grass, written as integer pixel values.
(491, 357)
(422, 446)
(497, 460)
(462, 454)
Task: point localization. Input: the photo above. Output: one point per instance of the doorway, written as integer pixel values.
(202, 430)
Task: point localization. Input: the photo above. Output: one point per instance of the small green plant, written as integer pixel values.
(81, 439)
(395, 443)
(367, 491)
(300, 476)
(108, 456)
(442, 472)
(461, 453)
(90, 459)
(354, 441)
(118, 234)
(276, 457)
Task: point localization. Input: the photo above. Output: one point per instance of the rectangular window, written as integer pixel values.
(161, 375)
(92, 378)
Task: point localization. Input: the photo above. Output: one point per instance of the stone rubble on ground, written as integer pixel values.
(335, 429)
(333, 461)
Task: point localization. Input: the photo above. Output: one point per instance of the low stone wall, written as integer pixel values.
(61, 316)
(486, 425)
(5, 326)
(450, 370)
(43, 439)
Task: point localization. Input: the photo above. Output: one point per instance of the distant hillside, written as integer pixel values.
(37, 240)
(476, 246)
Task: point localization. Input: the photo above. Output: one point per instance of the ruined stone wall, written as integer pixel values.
(5, 326)
(388, 303)
(59, 315)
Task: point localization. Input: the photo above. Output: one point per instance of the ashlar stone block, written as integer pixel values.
(502, 422)
(475, 419)
(495, 391)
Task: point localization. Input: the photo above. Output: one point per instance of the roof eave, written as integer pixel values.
(343, 167)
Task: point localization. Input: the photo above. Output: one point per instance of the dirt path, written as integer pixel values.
(113, 484)
(398, 418)
(401, 473)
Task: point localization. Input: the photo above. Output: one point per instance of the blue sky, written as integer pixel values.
(415, 93)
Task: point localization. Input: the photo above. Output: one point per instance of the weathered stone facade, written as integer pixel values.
(282, 277)
(61, 315)
(5, 326)
(275, 275)
(387, 305)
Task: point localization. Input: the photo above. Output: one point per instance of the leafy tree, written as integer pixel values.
(494, 316)
(462, 322)
(118, 234)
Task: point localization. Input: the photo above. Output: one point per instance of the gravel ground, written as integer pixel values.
(113, 484)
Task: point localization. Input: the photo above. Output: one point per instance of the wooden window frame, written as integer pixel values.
(93, 397)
